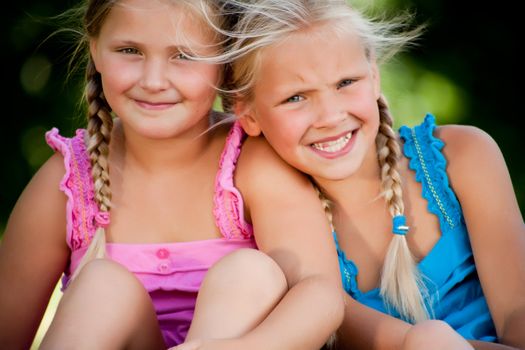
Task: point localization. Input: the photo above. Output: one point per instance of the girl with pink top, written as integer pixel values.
(134, 210)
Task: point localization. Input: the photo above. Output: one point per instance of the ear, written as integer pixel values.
(376, 78)
(247, 117)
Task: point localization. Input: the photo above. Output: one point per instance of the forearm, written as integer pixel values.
(367, 328)
(306, 316)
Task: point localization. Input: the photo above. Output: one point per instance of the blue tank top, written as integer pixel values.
(455, 294)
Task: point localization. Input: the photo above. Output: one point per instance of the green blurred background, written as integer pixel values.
(464, 71)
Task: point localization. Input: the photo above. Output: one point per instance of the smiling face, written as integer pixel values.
(147, 80)
(315, 101)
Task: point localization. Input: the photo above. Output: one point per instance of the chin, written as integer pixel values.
(331, 177)
(333, 173)
(160, 129)
(157, 133)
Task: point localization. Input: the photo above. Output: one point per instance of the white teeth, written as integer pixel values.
(335, 145)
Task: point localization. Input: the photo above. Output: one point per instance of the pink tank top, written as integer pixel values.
(171, 272)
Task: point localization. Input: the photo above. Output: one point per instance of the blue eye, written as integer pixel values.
(294, 98)
(344, 82)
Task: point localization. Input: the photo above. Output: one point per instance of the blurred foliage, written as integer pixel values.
(465, 70)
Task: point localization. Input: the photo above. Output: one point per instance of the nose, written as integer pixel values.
(330, 111)
(154, 76)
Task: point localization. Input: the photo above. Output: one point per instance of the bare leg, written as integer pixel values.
(238, 292)
(106, 307)
(434, 334)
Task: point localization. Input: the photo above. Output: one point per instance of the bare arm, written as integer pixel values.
(480, 178)
(366, 328)
(33, 254)
(290, 226)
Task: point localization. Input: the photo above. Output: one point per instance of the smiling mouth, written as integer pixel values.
(334, 145)
(155, 106)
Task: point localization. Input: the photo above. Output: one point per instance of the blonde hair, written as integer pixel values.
(262, 23)
(99, 112)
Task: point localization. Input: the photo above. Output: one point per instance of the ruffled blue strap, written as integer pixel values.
(429, 164)
(348, 271)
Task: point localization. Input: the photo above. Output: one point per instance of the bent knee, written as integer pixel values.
(248, 268)
(104, 269)
(108, 277)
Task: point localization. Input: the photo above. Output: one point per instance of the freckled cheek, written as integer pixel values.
(120, 77)
(365, 107)
(198, 84)
(113, 88)
(288, 129)
(299, 121)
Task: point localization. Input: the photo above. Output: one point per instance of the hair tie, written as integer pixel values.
(102, 218)
(399, 225)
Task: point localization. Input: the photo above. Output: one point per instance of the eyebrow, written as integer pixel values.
(135, 43)
(296, 88)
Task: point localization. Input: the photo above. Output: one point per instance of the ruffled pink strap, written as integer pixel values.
(228, 203)
(81, 208)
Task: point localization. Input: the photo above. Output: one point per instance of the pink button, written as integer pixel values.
(163, 253)
(163, 267)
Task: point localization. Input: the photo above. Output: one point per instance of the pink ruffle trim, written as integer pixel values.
(228, 204)
(77, 186)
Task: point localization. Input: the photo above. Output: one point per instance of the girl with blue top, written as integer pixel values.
(430, 238)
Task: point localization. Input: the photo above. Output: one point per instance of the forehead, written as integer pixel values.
(161, 19)
(320, 49)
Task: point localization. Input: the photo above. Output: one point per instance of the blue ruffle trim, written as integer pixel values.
(348, 271)
(424, 152)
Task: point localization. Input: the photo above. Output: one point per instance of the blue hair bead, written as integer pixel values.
(399, 226)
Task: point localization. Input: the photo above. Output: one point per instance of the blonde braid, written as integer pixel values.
(401, 282)
(325, 202)
(100, 124)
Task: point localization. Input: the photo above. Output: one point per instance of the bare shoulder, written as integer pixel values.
(468, 150)
(260, 167)
(42, 204)
(260, 160)
(255, 147)
(53, 167)
(465, 140)
(479, 175)
(37, 224)
(50, 174)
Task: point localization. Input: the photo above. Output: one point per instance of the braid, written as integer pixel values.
(401, 282)
(325, 202)
(388, 155)
(100, 124)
